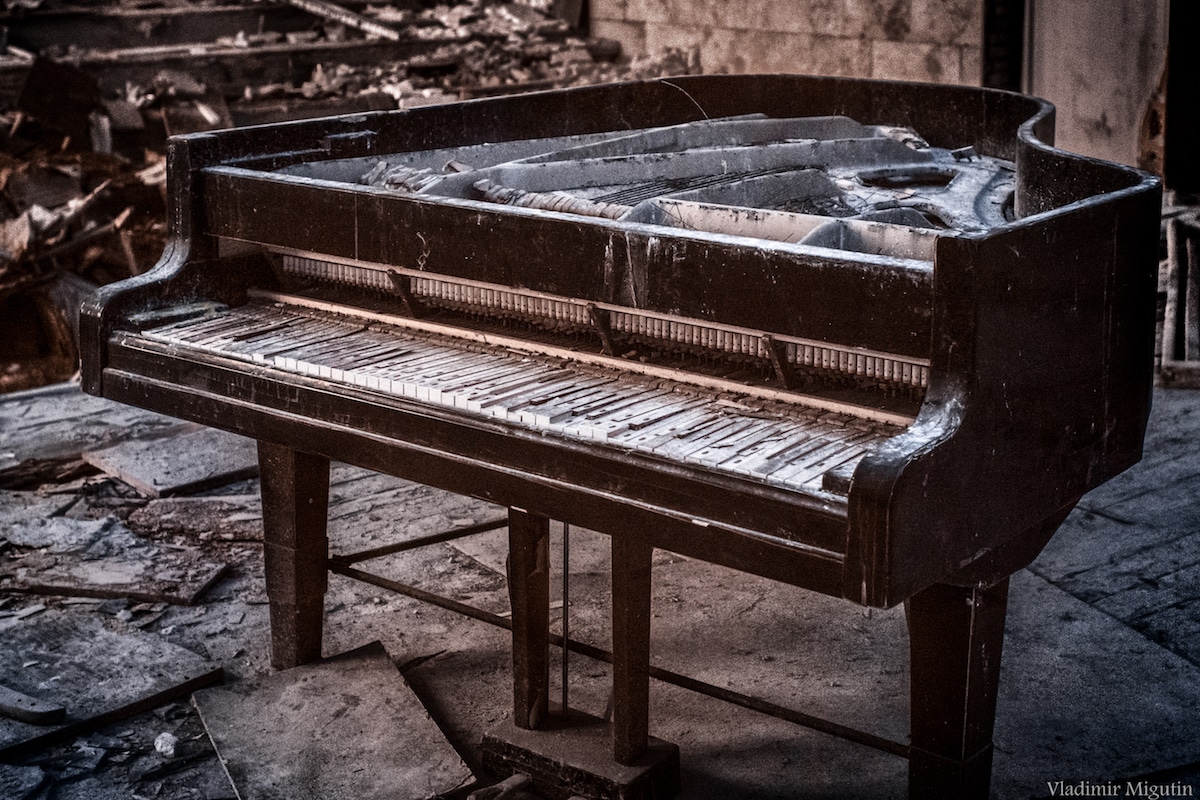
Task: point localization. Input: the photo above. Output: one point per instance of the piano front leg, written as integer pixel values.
(955, 637)
(295, 503)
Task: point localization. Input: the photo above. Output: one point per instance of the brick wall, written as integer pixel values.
(930, 40)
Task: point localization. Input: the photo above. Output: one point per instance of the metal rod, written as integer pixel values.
(666, 676)
(411, 544)
(422, 595)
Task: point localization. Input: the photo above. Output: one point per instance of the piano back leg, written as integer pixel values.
(295, 502)
(631, 558)
(955, 635)
(529, 593)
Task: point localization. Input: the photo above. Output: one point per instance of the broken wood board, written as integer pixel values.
(348, 727)
(188, 461)
(101, 558)
(98, 675)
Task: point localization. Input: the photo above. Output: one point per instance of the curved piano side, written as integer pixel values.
(1040, 387)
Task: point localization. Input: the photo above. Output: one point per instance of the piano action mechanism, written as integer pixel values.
(870, 339)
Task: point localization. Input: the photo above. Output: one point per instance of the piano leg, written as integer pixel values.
(529, 592)
(295, 502)
(955, 635)
(631, 647)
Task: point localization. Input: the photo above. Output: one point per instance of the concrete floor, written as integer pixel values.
(1101, 675)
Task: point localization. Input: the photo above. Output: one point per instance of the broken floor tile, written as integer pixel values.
(348, 727)
(97, 674)
(236, 518)
(57, 534)
(186, 461)
(102, 558)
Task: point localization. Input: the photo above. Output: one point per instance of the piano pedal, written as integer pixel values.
(572, 756)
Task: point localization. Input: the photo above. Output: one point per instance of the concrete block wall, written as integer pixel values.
(928, 40)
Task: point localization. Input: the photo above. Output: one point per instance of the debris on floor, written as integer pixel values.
(229, 518)
(89, 93)
(19, 783)
(96, 674)
(345, 728)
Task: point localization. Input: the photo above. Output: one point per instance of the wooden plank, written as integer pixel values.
(183, 463)
(337, 13)
(98, 675)
(346, 727)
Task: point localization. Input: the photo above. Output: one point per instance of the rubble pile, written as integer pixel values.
(81, 141)
(70, 220)
(482, 49)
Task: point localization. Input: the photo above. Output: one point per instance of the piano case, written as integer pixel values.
(889, 401)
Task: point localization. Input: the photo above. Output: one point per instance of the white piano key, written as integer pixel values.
(454, 383)
(753, 460)
(622, 406)
(477, 398)
(650, 406)
(484, 372)
(604, 397)
(564, 393)
(666, 423)
(672, 403)
(799, 451)
(820, 460)
(716, 452)
(688, 441)
(497, 402)
(852, 453)
(540, 398)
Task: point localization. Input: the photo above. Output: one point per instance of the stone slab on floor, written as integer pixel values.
(1085, 697)
(345, 728)
(99, 675)
(1131, 547)
(571, 756)
(188, 460)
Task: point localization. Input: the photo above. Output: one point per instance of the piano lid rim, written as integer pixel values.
(916, 267)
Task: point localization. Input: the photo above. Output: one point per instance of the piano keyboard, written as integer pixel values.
(785, 444)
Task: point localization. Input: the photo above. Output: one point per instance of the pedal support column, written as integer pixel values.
(631, 647)
(529, 593)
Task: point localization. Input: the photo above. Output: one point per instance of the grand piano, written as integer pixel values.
(871, 339)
